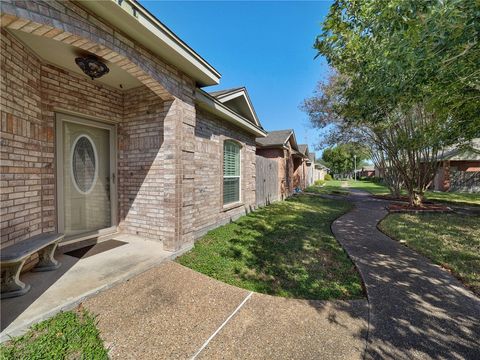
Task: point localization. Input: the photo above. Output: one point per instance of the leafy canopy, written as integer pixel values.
(398, 53)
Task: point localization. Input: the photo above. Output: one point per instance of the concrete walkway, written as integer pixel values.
(77, 279)
(417, 309)
(172, 312)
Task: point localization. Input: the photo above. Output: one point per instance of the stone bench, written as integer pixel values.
(12, 259)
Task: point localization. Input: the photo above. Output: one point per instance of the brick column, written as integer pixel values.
(179, 148)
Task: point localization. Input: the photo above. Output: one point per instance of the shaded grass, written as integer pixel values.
(454, 197)
(285, 249)
(449, 240)
(68, 335)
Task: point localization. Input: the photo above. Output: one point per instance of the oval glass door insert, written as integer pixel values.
(84, 164)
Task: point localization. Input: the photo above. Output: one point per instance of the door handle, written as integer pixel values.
(107, 187)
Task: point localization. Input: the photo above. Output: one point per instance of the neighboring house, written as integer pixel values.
(366, 171)
(459, 169)
(141, 150)
(311, 169)
(301, 165)
(320, 172)
(281, 146)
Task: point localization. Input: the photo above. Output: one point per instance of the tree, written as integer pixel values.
(340, 159)
(404, 52)
(408, 80)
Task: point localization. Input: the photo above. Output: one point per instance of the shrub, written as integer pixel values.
(328, 177)
(319, 182)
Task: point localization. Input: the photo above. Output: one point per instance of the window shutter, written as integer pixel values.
(231, 172)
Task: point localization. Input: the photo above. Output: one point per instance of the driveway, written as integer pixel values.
(172, 312)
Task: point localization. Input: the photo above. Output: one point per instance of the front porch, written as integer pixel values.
(79, 278)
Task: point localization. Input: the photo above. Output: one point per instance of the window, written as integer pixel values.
(231, 172)
(84, 164)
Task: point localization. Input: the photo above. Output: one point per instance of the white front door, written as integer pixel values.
(86, 174)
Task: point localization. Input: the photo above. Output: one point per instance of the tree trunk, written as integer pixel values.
(415, 199)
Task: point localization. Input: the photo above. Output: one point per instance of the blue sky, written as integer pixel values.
(263, 45)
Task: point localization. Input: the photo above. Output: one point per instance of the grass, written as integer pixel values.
(454, 197)
(330, 187)
(449, 240)
(68, 335)
(368, 186)
(285, 249)
(379, 189)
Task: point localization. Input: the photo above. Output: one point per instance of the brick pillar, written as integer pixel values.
(179, 147)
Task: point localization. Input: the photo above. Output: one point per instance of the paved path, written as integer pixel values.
(417, 310)
(172, 312)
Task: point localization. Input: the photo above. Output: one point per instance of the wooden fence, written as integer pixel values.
(266, 186)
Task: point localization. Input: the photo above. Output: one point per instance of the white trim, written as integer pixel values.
(214, 106)
(242, 92)
(140, 25)
(95, 176)
(240, 193)
(60, 118)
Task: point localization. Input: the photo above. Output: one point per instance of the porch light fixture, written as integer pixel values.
(92, 66)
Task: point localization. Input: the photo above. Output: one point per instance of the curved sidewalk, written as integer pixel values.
(417, 309)
(172, 312)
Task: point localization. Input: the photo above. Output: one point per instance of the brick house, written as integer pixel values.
(141, 150)
(301, 175)
(459, 169)
(282, 146)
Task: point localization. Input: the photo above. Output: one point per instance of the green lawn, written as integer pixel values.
(450, 240)
(369, 186)
(68, 335)
(330, 187)
(285, 249)
(459, 198)
(453, 197)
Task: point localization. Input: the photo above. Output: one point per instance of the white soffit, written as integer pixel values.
(63, 55)
(141, 26)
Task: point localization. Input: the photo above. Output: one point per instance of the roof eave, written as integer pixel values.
(241, 91)
(213, 105)
(135, 21)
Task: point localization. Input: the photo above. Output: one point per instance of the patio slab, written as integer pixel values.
(77, 279)
(171, 312)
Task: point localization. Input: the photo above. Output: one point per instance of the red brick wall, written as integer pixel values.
(33, 91)
(26, 145)
(161, 147)
(469, 166)
(140, 164)
(210, 133)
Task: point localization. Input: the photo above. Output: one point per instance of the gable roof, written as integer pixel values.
(278, 138)
(214, 106)
(469, 152)
(303, 148)
(239, 101)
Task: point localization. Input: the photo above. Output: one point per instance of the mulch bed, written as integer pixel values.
(426, 207)
(399, 198)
